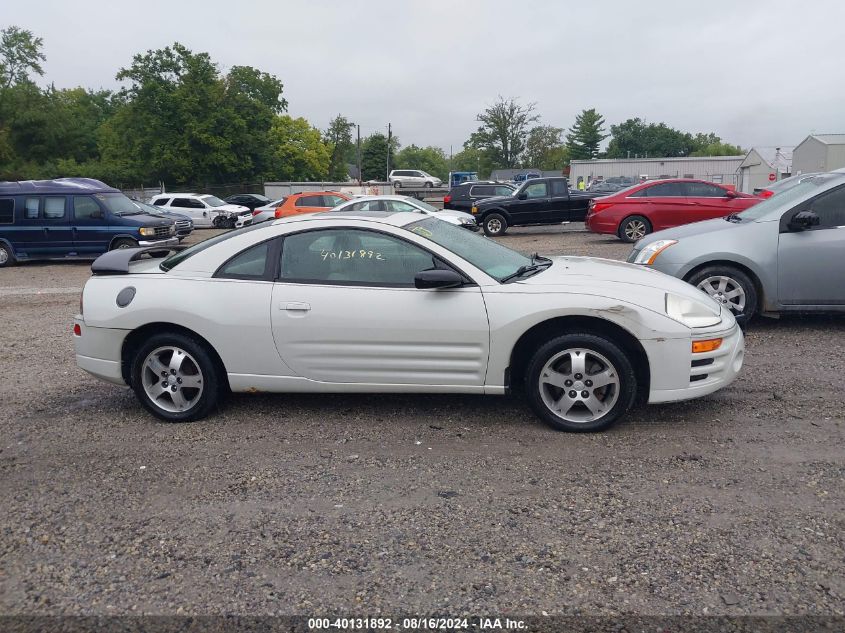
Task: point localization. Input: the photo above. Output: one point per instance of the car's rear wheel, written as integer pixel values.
(429, 185)
(580, 382)
(175, 378)
(494, 225)
(397, 185)
(634, 228)
(7, 257)
(124, 242)
(730, 287)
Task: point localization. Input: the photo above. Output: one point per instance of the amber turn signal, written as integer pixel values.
(706, 346)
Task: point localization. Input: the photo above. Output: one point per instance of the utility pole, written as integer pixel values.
(358, 154)
(387, 160)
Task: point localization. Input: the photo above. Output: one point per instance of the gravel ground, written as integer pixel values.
(306, 504)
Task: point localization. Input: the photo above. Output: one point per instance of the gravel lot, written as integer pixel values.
(305, 504)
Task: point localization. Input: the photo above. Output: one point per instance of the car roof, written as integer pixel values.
(393, 218)
(57, 186)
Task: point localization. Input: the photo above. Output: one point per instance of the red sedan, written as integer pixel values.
(652, 206)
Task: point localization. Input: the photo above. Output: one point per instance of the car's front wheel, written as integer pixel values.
(124, 242)
(730, 287)
(429, 185)
(634, 228)
(175, 378)
(494, 225)
(397, 185)
(580, 382)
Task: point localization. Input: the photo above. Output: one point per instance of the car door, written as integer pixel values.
(666, 205)
(57, 237)
(194, 209)
(345, 310)
(22, 224)
(310, 204)
(532, 204)
(89, 225)
(708, 201)
(560, 209)
(811, 263)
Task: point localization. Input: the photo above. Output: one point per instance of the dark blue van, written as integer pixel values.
(70, 218)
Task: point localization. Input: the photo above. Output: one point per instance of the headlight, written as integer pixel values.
(650, 252)
(147, 230)
(692, 312)
(466, 221)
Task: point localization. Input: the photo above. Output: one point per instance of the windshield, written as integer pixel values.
(213, 201)
(118, 204)
(425, 206)
(494, 259)
(777, 204)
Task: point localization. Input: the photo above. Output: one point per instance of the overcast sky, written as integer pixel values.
(758, 73)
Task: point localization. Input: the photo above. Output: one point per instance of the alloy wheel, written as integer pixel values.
(726, 291)
(579, 385)
(635, 230)
(172, 379)
(494, 225)
(4, 256)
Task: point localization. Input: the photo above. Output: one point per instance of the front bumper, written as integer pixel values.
(170, 241)
(706, 372)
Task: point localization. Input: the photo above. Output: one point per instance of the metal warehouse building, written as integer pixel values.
(819, 152)
(720, 169)
(764, 165)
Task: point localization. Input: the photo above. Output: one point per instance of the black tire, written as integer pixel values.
(397, 185)
(429, 185)
(618, 396)
(7, 257)
(494, 224)
(198, 356)
(634, 228)
(744, 306)
(124, 242)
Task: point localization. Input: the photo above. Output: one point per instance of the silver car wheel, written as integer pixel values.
(635, 230)
(725, 291)
(494, 225)
(4, 255)
(172, 379)
(579, 385)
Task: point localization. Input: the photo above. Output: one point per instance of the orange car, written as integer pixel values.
(308, 202)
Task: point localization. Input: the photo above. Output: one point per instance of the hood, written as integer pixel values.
(230, 208)
(147, 219)
(456, 214)
(170, 215)
(639, 285)
(716, 225)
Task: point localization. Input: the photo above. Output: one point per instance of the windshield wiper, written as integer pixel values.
(533, 267)
(733, 217)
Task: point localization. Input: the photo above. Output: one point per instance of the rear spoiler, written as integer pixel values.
(117, 262)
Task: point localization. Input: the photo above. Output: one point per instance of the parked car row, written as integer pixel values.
(204, 210)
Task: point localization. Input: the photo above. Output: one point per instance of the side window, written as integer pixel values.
(559, 188)
(310, 201)
(503, 191)
(160, 202)
(665, 190)
(481, 191)
(333, 201)
(536, 190)
(54, 208)
(7, 210)
(248, 264)
(32, 208)
(397, 206)
(703, 190)
(182, 203)
(363, 258)
(84, 207)
(830, 207)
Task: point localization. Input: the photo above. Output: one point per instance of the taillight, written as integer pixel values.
(447, 199)
(766, 193)
(77, 330)
(595, 207)
(278, 213)
(255, 212)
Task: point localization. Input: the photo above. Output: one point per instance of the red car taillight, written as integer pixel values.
(278, 212)
(595, 207)
(766, 193)
(447, 199)
(77, 330)
(255, 212)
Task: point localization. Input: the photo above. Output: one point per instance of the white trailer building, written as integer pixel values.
(719, 169)
(819, 152)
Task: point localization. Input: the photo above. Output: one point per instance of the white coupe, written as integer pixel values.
(396, 302)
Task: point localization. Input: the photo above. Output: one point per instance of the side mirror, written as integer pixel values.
(522, 195)
(803, 220)
(437, 278)
(729, 193)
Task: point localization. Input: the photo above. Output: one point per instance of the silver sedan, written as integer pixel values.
(399, 204)
(786, 254)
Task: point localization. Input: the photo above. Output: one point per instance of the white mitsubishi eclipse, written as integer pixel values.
(395, 302)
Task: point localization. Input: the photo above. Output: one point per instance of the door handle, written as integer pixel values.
(296, 306)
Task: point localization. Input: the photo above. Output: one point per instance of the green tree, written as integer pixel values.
(503, 131)
(473, 159)
(374, 156)
(299, 153)
(20, 54)
(636, 138)
(586, 135)
(339, 139)
(430, 159)
(544, 148)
